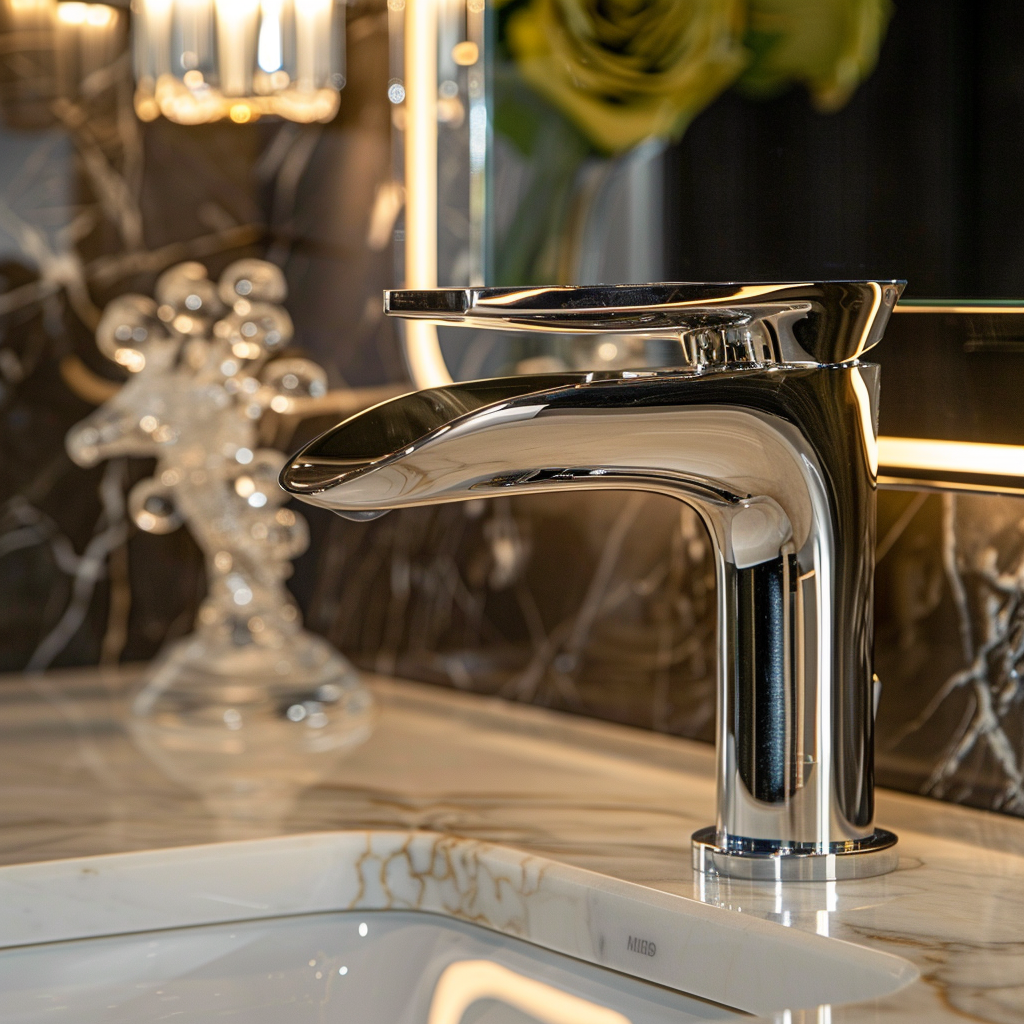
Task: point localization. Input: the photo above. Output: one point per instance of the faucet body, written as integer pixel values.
(776, 453)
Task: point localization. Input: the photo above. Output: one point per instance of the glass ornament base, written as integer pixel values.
(248, 721)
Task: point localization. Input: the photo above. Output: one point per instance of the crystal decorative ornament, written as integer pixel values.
(249, 707)
(204, 60)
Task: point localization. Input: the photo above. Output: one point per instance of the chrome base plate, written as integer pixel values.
(875, 855)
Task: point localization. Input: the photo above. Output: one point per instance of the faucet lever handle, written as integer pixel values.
(823, 323)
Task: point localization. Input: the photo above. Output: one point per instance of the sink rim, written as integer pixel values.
(711, 952)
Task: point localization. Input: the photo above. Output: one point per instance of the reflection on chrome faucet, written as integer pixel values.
(249, 707)
(770, 435)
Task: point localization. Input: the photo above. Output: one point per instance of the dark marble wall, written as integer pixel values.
(602, 605)
(950, 647)
(599, 604)
(94, 203)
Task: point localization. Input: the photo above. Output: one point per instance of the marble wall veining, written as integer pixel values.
(950, 647)
(599, 604)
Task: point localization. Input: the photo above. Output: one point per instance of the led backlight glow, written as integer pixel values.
(951, 456)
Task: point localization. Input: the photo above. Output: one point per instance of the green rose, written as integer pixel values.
(628, 70)
(830, 46)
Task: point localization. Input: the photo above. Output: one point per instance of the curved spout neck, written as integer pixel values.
(778, 462)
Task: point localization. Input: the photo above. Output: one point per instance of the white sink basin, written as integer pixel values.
(365, 967)
(367, 927)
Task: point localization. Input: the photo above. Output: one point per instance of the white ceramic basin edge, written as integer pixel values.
(716, 954)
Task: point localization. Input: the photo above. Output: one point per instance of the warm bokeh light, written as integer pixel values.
(74, 13)
(466, 53)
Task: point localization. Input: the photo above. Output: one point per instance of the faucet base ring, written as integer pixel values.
(776, 862)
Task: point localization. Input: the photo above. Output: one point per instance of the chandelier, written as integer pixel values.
(203, 60)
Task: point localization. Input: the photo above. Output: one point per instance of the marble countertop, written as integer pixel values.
(590, 795)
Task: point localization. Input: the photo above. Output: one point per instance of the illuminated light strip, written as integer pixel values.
(463, 983)
(913, 307)
(951, 456)
(422, 348)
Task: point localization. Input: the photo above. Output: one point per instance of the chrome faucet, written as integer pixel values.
(769, 433)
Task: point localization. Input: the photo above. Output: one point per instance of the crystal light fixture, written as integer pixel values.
(203, 60)
(89, 37)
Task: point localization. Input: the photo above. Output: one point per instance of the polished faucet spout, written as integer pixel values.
(778, 458)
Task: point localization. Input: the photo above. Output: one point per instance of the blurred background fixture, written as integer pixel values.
(54, 54)
(514, 142)
(203, 60)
